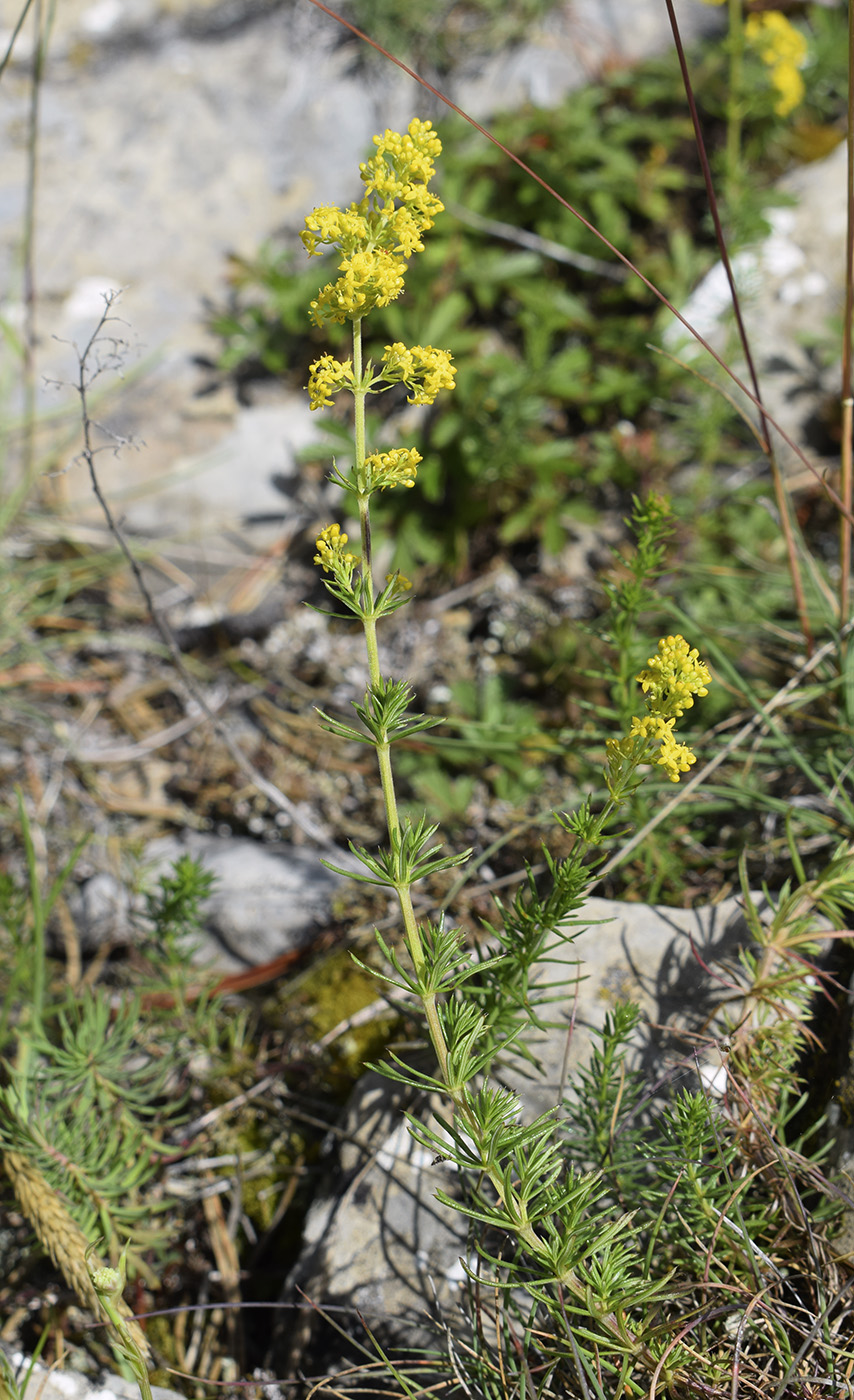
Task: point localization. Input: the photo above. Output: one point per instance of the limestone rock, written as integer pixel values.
(267, 900)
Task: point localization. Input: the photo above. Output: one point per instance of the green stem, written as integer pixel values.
(369, 621)
(128, 1347)
(360, 394)
(39, 954)
(383, 750)
(526, 1233)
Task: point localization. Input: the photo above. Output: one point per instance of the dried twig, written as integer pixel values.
(90, 365)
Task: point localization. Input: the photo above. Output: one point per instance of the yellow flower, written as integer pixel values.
(346, 228)
(372, 277)
(676, 758)
(422, 369)
(790, 85)
(783, 48)
(377, 235)
(395, 468)
(325, 377)
(406, 229)
(331, 555)
(651, 727)
(403, 165)
(670, 681)
(673, 677)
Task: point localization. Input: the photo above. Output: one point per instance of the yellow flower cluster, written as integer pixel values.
(670, 681)
(403, 168)
(399, 467)
(377, 235)
(347, 229)
(675, 758)
(325, 377)
(783, 48)
(673, 677)
(411, 156)
(422, 369)
(372, 277)
(331, 554)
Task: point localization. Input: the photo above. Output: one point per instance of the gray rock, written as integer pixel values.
(115, 1387)
(571, 47)
(267, 899)
(101, 910)
(236, 480)
(379, 1243)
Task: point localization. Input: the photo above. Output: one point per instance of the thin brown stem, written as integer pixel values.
(263, 785)
(28, 259)
(845, 484)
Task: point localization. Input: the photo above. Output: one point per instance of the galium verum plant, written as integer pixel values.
(482, 1004)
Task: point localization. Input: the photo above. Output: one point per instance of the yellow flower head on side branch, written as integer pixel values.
(673, 757)
(399, 467)
(670, 681)
(333, 556)
(422, 369)
(325, 377)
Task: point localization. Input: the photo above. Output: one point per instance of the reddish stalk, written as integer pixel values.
(845, 483)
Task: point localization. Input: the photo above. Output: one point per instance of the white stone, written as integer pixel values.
(103, 17)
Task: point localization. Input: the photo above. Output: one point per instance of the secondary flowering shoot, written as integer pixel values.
(325, 377)
(784, 49)
(333, 557)
(422, 369)
(670, 680)
(396, 468)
